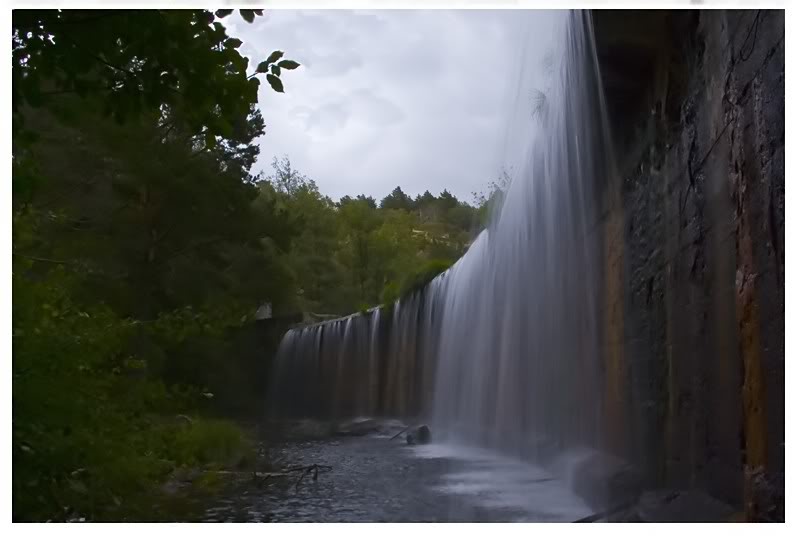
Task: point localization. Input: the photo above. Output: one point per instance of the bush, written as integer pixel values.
(212, 442)
(93, 430)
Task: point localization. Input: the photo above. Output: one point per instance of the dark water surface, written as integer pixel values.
(375, 479)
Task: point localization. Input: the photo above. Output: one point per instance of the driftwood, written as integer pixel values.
(605, 513)
(304, 470)
(307, 470)
(400, 432)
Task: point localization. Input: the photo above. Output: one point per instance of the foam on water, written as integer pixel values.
(495, 481)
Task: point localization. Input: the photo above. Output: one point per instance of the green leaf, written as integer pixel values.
(222, 13)
(275, 70)
(275, 56)
(263, 67)
(247, 14)
(288, 64)
(258, 12)
(275, 82)
(232, 42)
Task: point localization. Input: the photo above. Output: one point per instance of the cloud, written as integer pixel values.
(361, 105)
(384, 98)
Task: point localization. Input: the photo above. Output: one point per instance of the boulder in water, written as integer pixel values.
(420, 435)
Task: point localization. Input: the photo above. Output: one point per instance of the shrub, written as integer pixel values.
(93, 431)
(211, 442)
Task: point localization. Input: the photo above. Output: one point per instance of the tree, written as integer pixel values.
(396, 247)
(425, 205)
(365, 200)
(160, 226)
(446, 201)
(312, 256)
(139, 242)
(139, 61)
(178, 67)
(397, 200)
(286, 179)
(359, 218)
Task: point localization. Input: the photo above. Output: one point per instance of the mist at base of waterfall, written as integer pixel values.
(483, 477)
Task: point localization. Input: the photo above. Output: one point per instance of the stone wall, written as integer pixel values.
(694, 260)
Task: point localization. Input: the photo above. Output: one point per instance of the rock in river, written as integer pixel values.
(420, 435)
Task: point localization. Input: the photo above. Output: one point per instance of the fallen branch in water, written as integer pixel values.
(605, 513)
(256, 474)
(307, 471)
(262, 477)
(400, 432)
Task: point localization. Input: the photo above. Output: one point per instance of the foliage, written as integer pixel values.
(140, 245)
(86, 436)
(178, 68)
(397, 200)
(354, 254)
(139, 61)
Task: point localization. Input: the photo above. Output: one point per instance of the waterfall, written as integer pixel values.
(519, 359)
(503, 349)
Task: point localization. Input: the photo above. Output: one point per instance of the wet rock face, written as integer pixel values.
(697, 353)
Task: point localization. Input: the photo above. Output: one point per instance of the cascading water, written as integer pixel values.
(519, 356)
(504, 349)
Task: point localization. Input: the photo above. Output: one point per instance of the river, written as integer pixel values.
(374, 478)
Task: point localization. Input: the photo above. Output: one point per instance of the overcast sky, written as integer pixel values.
(415, 99)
